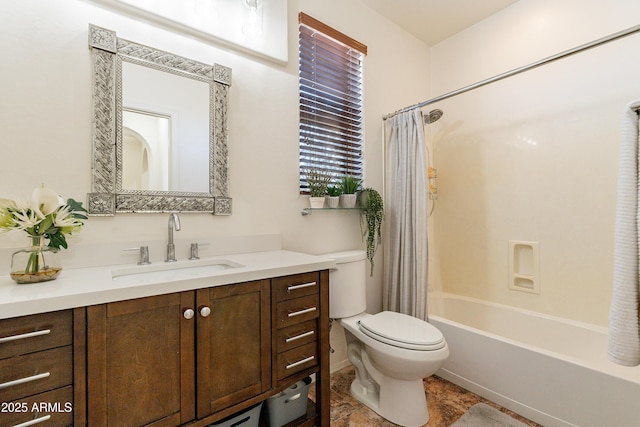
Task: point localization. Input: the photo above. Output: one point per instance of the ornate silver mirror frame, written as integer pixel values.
(107, 196)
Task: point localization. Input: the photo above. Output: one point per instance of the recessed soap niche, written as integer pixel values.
(524, 266)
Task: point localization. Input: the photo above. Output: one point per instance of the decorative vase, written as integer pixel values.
(348, 201)
(37, 263)
(331, 201)
(316, 202)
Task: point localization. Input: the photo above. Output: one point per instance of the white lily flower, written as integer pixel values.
(64, 220)
(21, 204)
(7, 203)
(44, 201)
(25, 219)
(6, 217)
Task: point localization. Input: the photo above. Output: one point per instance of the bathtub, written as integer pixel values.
(551, 370)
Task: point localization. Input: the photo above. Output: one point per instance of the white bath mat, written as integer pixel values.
(481, 415)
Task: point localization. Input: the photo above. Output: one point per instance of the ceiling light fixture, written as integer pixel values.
(253, 18)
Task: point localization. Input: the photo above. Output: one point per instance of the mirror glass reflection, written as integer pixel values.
(165, 132)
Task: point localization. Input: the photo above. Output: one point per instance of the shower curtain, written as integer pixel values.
(405, 232)
(624, 320)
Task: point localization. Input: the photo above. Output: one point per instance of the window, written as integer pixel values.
(330, 71)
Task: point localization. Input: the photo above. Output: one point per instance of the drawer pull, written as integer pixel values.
(24, 380)
(34, 421)
(305, 311)
(300, 362)
(297, 337)
(24, 336)
(302, 286)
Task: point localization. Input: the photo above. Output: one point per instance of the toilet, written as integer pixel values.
(391, 352)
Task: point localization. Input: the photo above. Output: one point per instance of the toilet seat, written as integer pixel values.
(403, 331)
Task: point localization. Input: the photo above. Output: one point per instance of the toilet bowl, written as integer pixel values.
(391, 352)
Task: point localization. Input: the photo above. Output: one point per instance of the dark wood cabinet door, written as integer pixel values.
(233, 345)
(141, 362)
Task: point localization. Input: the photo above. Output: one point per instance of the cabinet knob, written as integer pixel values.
(205, 311)
(188, 313)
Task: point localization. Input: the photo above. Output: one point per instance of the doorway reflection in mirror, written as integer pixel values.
(146, 144)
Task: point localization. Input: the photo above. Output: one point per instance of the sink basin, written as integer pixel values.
(172, 271)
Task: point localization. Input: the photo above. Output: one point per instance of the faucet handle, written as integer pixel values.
(144, 254)
(194, 250)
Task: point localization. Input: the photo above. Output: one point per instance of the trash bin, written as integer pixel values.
(289, 404)
(247, 418)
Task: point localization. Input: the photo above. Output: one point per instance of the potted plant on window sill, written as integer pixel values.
(332, 199)
(349, 186)
(318, 181)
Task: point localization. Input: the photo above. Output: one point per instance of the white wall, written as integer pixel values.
(45, 117)
(533, 157)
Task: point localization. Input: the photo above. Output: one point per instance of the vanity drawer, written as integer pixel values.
(34, 373)
(50, 409)
(27, 334)
(295, 286)
(297, 359)
(296, 335)
(297, 310)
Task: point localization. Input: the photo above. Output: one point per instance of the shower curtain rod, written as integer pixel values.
(598, 42)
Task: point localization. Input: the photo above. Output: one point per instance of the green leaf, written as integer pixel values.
(76, 207)
(57, 240)
(45, 224)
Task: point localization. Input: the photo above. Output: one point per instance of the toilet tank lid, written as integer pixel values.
(346, 256)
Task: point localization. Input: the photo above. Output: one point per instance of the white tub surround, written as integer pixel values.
(96, 285)
(551, 370)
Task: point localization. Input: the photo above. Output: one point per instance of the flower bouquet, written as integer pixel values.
(45, 216)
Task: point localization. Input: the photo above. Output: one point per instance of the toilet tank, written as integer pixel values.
(347, 284)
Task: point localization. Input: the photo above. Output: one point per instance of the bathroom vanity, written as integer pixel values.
(100, 347)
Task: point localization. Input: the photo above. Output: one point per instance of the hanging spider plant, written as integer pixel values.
(371, 217)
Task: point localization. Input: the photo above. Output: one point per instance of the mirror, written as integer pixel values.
(159, 130)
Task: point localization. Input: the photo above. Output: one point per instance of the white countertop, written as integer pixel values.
(88, 286)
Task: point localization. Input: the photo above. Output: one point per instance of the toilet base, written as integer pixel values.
(365, 396)
(401, 402)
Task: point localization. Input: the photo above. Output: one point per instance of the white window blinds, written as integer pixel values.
(330, 72)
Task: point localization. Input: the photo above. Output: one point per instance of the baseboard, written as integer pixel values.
(341, 364)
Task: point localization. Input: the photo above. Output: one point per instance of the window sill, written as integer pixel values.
(308, 211)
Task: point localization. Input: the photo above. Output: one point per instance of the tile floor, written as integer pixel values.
(446, 401)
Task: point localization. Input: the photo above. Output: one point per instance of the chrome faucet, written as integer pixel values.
(174, 222)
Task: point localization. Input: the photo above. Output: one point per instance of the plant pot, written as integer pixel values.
(332, 201)
(36, 263)
(348, 201)
(316, 202)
